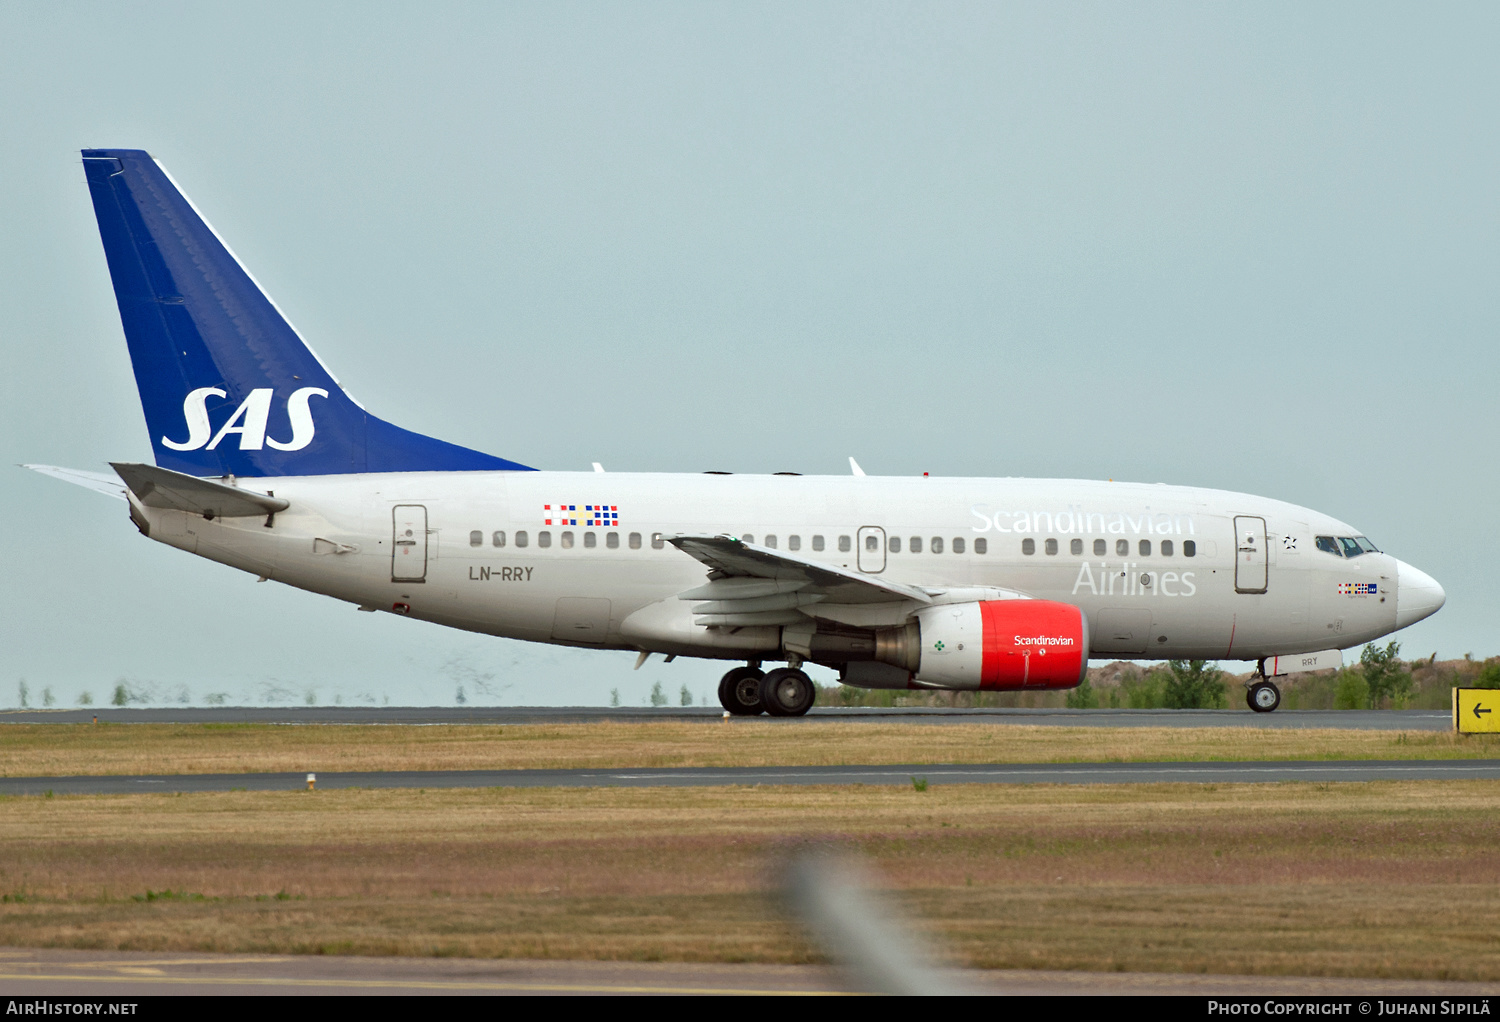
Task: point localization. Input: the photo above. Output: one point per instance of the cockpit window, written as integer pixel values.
(1351, 548)
(1364, 542)
(1328, 545)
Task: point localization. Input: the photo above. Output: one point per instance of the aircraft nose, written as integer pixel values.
(1418, 595)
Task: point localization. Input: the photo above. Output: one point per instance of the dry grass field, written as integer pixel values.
(68, 749)
(1377, 879)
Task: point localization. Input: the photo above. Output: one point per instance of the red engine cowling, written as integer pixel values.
(1003, 644)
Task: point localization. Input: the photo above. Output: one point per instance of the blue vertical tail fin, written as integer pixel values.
(228, 386)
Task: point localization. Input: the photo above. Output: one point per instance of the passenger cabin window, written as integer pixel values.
(1166, 548)
(1100, 548)
(817, 542)
(1028, 546)
(981, 546)
(1189, 548)
(521, 538)
(1328, 545)
(1051, 546)
(1075, 547)
(498, 539)
(612, 540)
(794, 542)
(476, 538)
(958, 544)
(845, 545)
(656, 541)
(591, 539)
(544, 538)
(935, 544)
(567, 541)
(635, 541)
(895, 544)
(872, 543)
(748, 537)
(771, 542)
(1145, 548)
(915, 546)
(1122, 548)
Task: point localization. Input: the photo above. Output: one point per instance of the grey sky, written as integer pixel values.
(1245, 246)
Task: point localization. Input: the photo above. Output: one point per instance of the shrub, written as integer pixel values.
(685, 697)
(1489, 674)
(1143, 693)
(1193, 685)
(658, 697)
(1385, 674)
(1352, 692)
(1083, 697)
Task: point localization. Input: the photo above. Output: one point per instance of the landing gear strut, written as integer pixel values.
(739, 691)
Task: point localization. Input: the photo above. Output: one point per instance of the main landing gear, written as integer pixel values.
(739, 691)
(784, 692)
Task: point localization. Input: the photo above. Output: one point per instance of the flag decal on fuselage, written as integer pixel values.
(594, 516)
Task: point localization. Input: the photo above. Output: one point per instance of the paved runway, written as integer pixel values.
(1364, 720)
(693, 777)
(124, 974)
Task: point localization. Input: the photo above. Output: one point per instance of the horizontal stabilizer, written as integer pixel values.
(161, 487)
(99, 482)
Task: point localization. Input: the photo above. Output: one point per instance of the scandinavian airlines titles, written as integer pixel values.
(1077, 521)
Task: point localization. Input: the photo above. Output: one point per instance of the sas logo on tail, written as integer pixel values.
(249, 420)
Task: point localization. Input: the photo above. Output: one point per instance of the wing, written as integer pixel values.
(755, 585)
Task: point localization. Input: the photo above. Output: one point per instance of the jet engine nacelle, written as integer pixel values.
(1002, 644)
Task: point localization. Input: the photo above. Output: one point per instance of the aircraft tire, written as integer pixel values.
(787, 692)
(739, 691)
(1263, 697)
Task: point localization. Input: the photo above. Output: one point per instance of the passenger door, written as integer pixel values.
(1249, 554)
(870, 546)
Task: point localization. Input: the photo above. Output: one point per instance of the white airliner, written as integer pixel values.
(264, 463)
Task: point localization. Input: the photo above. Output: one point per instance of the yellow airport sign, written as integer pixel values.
(1476, 709)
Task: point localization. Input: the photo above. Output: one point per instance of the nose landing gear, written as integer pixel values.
(1263, 697)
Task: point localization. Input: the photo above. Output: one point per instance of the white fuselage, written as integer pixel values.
(1143, 595)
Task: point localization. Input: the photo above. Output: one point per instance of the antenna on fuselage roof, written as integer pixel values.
(598, 467)
(854, 466)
